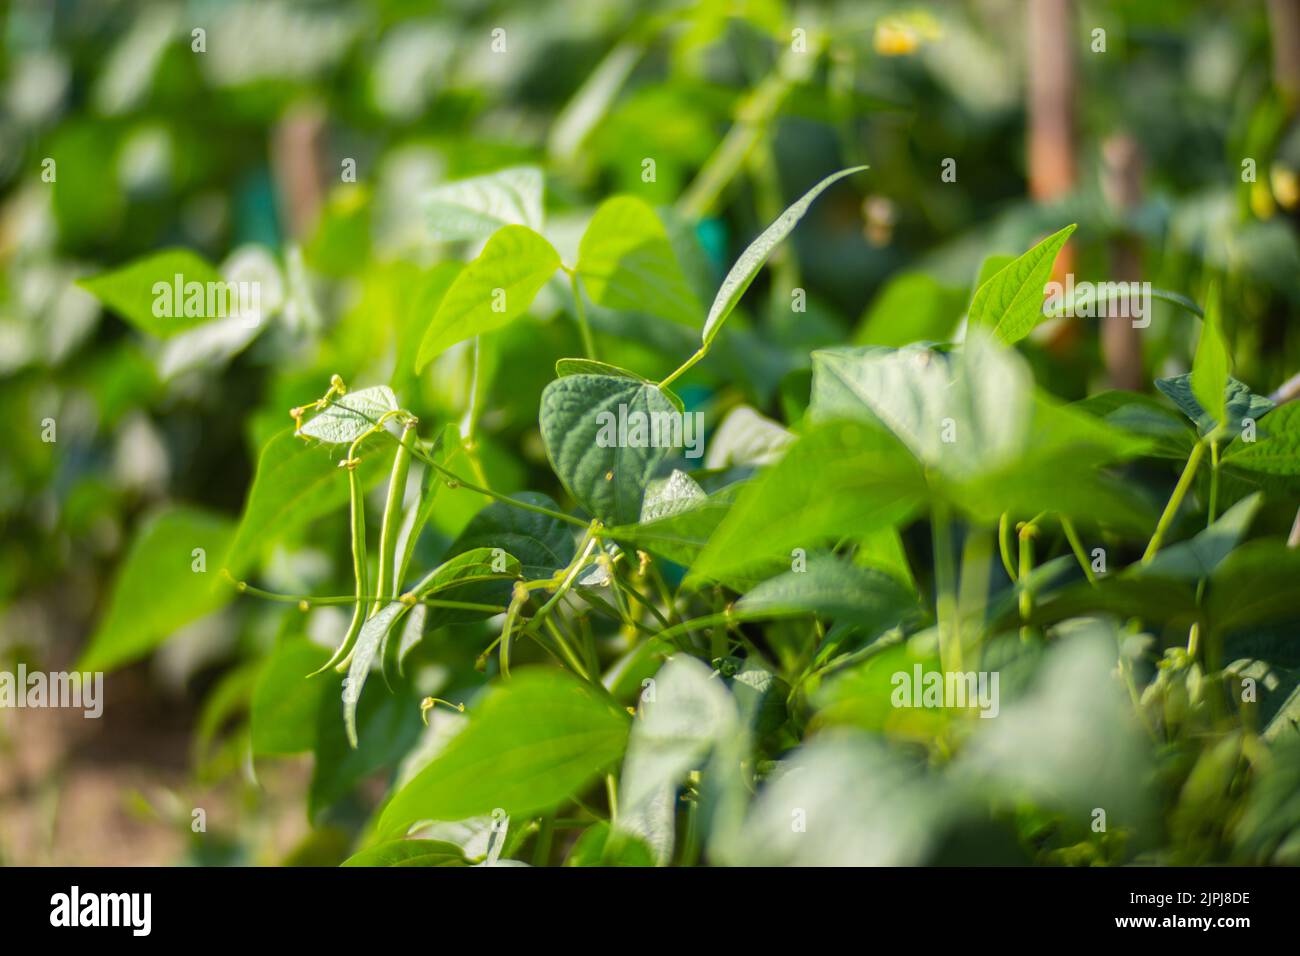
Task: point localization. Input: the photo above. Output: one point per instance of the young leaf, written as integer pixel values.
(676, 520)
(745, 437)
(475, 208)
(490, 292)
(129, 291)
(350, 416)
(752, 259)
(1011, 302)
(606, 472)
(168, 579)
(534, 741)
(296, 483)
(1239, 403)
(627, 263)
(1210, 365)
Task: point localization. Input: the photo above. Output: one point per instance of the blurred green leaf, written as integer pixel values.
(491, 292)
(158, 591)
(534, 741)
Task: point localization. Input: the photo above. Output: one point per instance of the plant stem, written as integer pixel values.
(945, 586)
(1076, 545)
(1175, 501)
(681, 369)
(1214, 482)
(580, 312)
(1026, 600)
(1004, 547)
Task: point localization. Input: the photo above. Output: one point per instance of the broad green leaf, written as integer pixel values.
(607, 472)
(477, 207)
(1210, 365)
(1198, 557)
(833, 588)
(745, 437)
(388, 725)
(1072, 744)
(1011, 302)
(296, 483)
(1144, 416)
(286, 704)
(409, 853)
(962, 414)
(490, 292)
(136, 291)
(1278, 452)
(1239, 403)
(158, 590)
(861, 805)
(350, 416)
(837, 480)
(912, 307)
(1254, 584)
(627, 263)
(533, 742)
(688, 712)
(542, 545)
(584, 366)
(753, 258)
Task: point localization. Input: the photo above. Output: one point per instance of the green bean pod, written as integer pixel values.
(359, 571)
(389, 531)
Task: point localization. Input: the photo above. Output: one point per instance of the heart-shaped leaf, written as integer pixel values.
(627, 262)
(534, 741)
(1011, 302)
(492, 291)
(600, 433)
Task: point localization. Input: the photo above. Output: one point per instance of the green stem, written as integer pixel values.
(681, 369)
(1214, 482)
(945, 586)
(1076, 545)
(1175, 501)
(580, 312)
(1026, 598)
(388, 585)
(1004, 547)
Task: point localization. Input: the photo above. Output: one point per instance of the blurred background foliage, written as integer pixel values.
(242, 153)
